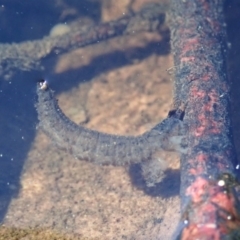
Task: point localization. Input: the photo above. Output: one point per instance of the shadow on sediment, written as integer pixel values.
(17, 132)
(104, 63)
(168, 187)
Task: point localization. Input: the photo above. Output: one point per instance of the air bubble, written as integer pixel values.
(221, 183)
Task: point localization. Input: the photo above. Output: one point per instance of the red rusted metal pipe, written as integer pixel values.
(210, 208)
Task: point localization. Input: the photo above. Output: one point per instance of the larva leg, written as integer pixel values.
(153, 170)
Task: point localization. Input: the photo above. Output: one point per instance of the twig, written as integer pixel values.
(209, 203)
(28, 55)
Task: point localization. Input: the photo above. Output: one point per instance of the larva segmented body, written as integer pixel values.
(102, 148)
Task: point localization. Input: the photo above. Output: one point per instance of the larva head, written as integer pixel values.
(43, 85)
(176, 113)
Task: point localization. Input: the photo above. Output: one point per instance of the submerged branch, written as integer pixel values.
(28, 55)
(208, 176)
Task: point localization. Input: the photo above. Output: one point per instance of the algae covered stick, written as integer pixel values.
(208, 200)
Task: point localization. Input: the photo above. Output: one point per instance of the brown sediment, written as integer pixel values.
(209, 202)
(12, 233)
